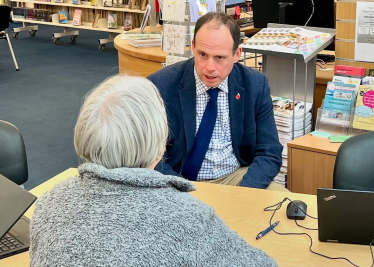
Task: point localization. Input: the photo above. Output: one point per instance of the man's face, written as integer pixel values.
(213, 54)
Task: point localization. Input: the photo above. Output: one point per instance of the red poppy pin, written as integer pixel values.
(237, 96)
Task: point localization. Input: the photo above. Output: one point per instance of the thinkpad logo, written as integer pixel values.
(329, 198)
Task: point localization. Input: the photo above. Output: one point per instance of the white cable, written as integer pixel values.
(311, 14)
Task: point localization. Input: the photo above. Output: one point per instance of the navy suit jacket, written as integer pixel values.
(254, 135)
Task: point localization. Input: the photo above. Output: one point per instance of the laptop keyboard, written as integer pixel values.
(9, 243)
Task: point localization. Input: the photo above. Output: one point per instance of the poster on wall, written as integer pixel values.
(364, 41)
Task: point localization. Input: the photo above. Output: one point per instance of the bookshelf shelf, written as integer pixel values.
(70, 4)
(70, 25)
(97, 15)
(55, 4)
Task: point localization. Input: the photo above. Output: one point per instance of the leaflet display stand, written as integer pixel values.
(292, 75)
(332, 126)
(337, 128)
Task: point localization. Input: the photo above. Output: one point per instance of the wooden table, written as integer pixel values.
(242, 210)
(311, 163)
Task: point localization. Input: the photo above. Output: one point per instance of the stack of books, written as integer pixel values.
(144, 40)
(286, 121)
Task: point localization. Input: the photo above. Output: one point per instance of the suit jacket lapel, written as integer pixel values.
(236, 107)
(187, 97)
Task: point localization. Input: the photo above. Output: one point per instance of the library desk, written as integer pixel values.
(242, 210)
(311, 163)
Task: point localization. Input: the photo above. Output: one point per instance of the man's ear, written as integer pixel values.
(193, 46)
(237, 54)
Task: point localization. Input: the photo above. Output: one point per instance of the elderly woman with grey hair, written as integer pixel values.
(119, 211)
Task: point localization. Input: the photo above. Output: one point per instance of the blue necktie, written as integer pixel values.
(202, 139)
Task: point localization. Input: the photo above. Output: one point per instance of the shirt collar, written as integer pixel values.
(202, 88)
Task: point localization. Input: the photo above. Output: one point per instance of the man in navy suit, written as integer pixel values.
(220, 113)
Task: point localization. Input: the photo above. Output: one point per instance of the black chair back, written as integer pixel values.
(354, 165)
(13, 161)
(4, 17)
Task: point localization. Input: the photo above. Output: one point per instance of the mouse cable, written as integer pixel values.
(279, 205)
(304, 226)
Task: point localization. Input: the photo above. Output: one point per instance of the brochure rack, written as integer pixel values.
(334, 127)
(292, 75)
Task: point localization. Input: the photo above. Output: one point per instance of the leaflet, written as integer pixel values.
(338, 103)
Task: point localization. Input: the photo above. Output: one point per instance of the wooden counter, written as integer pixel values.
(138, 61)
(311, 162)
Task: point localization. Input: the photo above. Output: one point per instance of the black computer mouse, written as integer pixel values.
(294, 212)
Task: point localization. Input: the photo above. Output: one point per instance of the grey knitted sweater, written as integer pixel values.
(132, 217)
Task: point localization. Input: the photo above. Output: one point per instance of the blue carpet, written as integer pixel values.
(43, 98)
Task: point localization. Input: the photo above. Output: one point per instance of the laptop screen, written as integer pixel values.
(345, 216)
(14, 202)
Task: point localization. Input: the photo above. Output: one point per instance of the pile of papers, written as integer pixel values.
(287, 40)
(290, 117)
(143, 40)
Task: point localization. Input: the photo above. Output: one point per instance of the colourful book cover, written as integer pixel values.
(112, 21)
(77, 19)
(63, 17)
(363, 118)
(128, 22)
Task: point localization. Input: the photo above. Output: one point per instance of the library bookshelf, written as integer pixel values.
(93, 17)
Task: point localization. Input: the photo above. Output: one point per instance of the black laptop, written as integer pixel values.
(345, 216)
(14, 228)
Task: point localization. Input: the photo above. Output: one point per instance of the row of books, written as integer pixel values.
(292, 119)
(32, 14)
(78, 16)
(131, 4)
(77, 19)
(128, 20)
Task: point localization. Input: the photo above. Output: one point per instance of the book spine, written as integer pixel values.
(350, 71)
